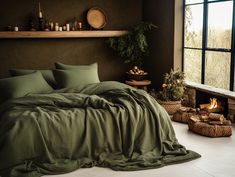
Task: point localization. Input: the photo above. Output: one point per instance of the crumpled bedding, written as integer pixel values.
(108, 124)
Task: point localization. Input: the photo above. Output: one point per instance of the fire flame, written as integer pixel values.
(213, 103)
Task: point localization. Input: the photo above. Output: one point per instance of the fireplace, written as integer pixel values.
(200, 94)
(213, 107)
(211, 102)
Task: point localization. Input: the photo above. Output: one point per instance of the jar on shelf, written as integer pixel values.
(56, 26)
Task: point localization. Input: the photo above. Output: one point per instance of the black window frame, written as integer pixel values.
(205, 37)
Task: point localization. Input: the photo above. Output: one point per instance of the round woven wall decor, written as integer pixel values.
(96, 18)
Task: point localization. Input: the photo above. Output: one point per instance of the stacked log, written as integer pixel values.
(183, 114)
(215, 119)
(213, 125)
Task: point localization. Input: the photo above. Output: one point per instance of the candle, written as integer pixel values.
(60, 28)
(56, 26)
(16, 28)
(79, 25)
(51, 26)
(67, 27)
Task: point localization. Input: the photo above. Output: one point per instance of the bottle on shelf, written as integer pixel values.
(31, 23)
(74, 24)
(40, 19)
(80, 26)
(51, 25)
(46, 26)
(56, 26)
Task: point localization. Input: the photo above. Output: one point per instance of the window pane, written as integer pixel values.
(218, 69)
(193, 1)
(192, 65)
(193, 26)
(220, 24)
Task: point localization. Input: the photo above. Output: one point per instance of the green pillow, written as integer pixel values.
(20, 86)
(59, 65)
(47, 74)
(75, 77)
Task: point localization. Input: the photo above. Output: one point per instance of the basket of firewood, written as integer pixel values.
(183, 114)
(212, 125)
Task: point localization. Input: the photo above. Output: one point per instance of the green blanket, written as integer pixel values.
(107, 124)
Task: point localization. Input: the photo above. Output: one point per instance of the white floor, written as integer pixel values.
(218, 159)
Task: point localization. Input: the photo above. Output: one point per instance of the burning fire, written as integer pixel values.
(213, 103)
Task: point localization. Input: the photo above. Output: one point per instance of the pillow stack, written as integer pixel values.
(20, 86)
(68, 76)
(47, 75)
(25, 81)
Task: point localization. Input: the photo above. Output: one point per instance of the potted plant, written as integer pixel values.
(133, 47)
(172, 91)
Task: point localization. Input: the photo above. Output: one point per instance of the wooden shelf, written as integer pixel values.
(62, 34)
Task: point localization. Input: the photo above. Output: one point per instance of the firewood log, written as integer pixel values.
(204, 118)
(195, 118)
(216, 117)
(204, 106)
(227, 122)
(216, 122)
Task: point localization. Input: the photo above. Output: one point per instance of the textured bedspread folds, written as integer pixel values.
(107, 124)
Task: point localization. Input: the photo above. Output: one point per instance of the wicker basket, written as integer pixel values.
(96, 18)
(205, 129)
(170, 106)
(182, 117)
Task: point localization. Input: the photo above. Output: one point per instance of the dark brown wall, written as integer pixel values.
(160, 61)
(42, 53)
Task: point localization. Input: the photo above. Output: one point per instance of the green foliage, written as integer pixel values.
(173, 86)
(133, 46)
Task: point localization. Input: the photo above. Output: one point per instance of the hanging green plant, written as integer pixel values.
(133, 46)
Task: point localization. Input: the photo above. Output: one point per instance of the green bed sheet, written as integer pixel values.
(108, 124)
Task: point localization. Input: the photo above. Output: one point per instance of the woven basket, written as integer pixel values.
(170, 106)
(205, 129)
(182, 117)
(96, 18)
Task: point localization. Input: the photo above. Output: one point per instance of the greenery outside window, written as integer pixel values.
(209, 43)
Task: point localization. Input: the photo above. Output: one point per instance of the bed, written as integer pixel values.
(105, 124)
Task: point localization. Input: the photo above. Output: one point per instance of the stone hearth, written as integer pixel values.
(196, 94)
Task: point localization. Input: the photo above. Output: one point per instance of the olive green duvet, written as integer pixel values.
(107, 124)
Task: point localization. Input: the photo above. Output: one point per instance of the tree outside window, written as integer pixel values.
(208, 56)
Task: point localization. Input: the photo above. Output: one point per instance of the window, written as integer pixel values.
(209, 42)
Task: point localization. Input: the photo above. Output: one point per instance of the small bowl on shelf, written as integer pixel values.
(137, 77)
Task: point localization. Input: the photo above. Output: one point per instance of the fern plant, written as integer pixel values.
(133, 46)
